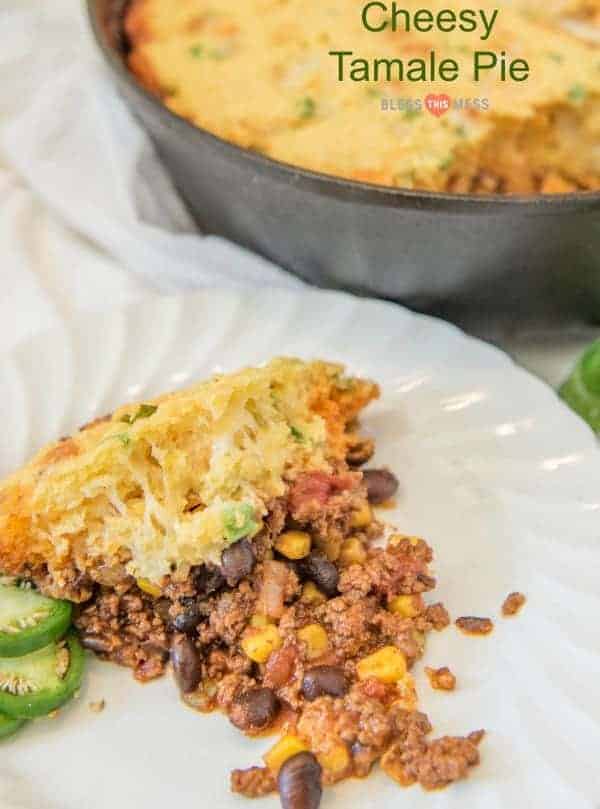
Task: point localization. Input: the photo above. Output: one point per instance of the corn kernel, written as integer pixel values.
(149, 587)
(285, 748)
(406, 606)
(259, 642)
(362, 516)
(336, 760)
(311, 594)
(293, 544)
(388, 665)
(316, 640)
(396, 539)
(353, 552)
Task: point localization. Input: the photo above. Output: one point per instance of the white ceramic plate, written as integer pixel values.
(496, 473)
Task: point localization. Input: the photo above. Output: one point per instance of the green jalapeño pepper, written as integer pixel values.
(581, 391)
(8, 726)
(29, 621)
(41, 681)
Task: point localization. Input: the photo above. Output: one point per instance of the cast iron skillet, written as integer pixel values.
(444, 252)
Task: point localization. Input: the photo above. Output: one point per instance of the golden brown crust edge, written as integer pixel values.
(138, 31)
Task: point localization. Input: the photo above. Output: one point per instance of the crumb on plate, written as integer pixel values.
(441, 679)
(97, 706)
(512, 604)
(474, 626)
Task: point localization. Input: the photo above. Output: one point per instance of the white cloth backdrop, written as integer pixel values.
(88, 218)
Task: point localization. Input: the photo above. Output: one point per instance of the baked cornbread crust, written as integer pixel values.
(585, 10)
(166, 484)
(258, 74)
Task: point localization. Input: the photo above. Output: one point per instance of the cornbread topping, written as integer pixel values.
(168, 484)
(265, 75)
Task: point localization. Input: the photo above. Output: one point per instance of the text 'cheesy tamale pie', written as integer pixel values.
(230, 529)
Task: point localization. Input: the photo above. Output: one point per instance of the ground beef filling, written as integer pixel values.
(127, 629)
(310, 630)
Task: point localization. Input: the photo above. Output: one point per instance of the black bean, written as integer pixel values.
(381, 485)
(237, 562)
(299, 782)
(321, 680)
(207, 580)
(161, 608)
(188, 619)
(255, 709)
(186, 663)
(186, 601)
(323, 572)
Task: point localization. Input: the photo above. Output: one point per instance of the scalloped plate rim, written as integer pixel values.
(490, 788)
